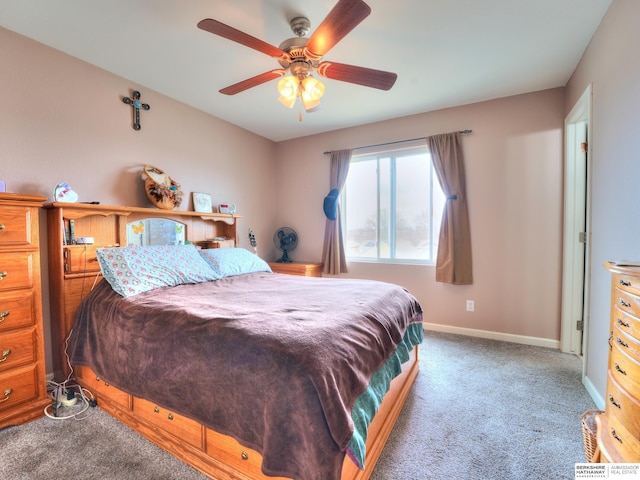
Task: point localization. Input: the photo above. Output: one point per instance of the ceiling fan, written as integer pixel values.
(301, 56)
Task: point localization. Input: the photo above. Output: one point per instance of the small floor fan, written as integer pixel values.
(285, 239)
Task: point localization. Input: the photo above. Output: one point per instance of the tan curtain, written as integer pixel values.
(333, 254)
(453, 263)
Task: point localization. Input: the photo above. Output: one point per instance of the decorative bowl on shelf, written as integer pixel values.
(162, 190)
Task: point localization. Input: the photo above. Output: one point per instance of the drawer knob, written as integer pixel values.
(156, 409)
(98, 379)
(613, 402)
(622, 323)
(244, 455)
(7, 394)
(2, 227)
(4, 315)
(623, 372)
(625, 283)
(622, 342)
(3, 274)
(5, 354)
(623, 303)
(615, 435)
(170, 416)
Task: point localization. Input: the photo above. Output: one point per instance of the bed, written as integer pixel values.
(251, 374)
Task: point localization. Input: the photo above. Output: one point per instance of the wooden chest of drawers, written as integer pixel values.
(23, 393)
(619, 427)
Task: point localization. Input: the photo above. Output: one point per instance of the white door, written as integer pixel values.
(576, 228)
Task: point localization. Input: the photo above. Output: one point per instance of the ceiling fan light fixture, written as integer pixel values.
(288, 88)
(312, 88)
(311, 105)
(311, 91)
(288, 102)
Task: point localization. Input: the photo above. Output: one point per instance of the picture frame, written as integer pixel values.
(202, 202)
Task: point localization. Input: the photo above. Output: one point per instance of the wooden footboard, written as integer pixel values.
(220, 456)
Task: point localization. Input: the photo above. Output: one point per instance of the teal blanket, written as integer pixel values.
(368, 403)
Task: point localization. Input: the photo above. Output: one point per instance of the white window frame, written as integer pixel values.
(393, 151)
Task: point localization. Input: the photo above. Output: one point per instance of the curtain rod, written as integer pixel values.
(461, 132)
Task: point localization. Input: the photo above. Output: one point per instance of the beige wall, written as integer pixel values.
(612, 66)
(63, 120)
(514, 173)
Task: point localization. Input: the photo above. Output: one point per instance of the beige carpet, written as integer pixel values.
(480, 409)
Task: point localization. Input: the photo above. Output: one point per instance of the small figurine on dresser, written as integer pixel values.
(63, 193)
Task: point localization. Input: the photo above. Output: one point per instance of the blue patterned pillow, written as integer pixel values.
(227, 262)
(133, 270)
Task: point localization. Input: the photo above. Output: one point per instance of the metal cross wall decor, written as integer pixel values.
(137, 105)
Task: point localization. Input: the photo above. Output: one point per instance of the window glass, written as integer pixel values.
(393, 207)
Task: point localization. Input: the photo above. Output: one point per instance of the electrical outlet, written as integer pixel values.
(470, 305)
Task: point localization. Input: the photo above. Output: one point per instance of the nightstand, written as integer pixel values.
(298, 268)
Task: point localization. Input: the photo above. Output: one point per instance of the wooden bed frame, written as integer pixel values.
(73, 270)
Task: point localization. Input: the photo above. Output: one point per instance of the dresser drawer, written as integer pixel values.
(627, 302)
(622, 405)
(80, 259)
(625, 370)
(626, 343)
(17, 348)
(16, 270)
(90, 380)
(17, 386)
(626, 322)
(228, 450)
(16, 226)
(627, 282)
(173, 423)
(17, 310)
(625, 443)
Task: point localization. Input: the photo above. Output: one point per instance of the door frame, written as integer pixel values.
(577, 213)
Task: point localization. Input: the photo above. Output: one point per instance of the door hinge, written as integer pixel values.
(580, 325)
(582, 237)
(583, 147)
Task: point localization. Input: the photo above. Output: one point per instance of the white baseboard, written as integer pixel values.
(505, 337)
(595, 395)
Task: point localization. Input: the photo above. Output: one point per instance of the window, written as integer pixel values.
(393, 207)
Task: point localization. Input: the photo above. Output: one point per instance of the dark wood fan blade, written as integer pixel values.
(359, 75)
(230, 33)
(343, 18)
(253, 81)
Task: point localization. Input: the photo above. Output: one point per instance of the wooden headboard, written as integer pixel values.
(74, 269)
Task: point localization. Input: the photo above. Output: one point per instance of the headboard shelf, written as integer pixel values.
(79, 210)
(73, 267)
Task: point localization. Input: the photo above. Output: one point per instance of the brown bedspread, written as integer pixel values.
(276, 361)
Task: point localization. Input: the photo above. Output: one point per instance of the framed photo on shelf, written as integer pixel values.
(202, 202)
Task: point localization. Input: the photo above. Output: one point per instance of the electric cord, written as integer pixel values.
(62, 408)
(68, 400)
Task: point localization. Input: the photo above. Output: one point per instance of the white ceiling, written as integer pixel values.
(445, 52)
